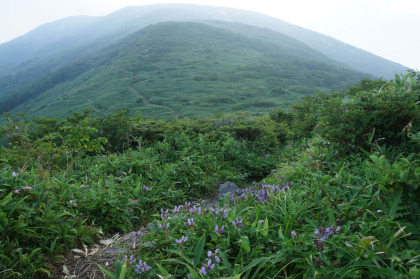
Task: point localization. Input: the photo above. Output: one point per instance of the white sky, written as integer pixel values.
(388, 28)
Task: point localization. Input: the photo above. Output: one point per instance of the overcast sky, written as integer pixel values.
(388, 28)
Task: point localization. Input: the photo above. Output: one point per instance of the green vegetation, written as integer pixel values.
(60, 43)
(185, 69)
(329, 204)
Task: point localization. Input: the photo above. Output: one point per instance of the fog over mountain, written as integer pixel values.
(67, 54)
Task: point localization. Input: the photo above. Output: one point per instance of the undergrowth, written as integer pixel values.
(341, 202)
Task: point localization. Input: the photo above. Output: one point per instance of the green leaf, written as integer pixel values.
(164, 272)
(193, 273)
(281, 235)
(199, 250)
(182, 255)
(374, 158)
(265, 230)
(225, 261)
(245, 243)
(6, 199)
(112, 276)
(123, 271)
(253, 263)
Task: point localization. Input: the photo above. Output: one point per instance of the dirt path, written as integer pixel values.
(147, 102)
(83, 263)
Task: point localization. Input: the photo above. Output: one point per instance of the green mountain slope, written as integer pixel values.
(181, 69)
(60, 43)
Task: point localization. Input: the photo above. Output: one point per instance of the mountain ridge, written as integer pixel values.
(108, 29)
(188, 67)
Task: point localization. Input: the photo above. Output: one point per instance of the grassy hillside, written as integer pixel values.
(60, 43)
(186, 70)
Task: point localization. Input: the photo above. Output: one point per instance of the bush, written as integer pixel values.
(385, 116)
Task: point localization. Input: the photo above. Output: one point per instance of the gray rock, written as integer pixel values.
(114, 251)
(228, 188)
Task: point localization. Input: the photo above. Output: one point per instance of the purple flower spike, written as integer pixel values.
(238, 223)
(219, 230)
(142, 267)
(182, 240)
(190, 222)
(203, 271)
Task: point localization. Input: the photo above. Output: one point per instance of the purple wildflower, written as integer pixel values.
(142, 267)
(203, 270)
(177, 209)
(222, 213)
(164, 214)
(238, 223)
(16, 191)
(182, 240)
(130, 260)
(164, 226)
(323, 233)
(379, 211)
(195, 209)
(209, 265)
(293, 233)
(145, 188)
(213, 256)
(137, 234)
(190, 222)
(14, 174)
(219, 230)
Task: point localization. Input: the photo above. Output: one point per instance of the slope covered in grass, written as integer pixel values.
(186, 70)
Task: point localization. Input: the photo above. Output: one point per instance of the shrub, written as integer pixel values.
(386, 116)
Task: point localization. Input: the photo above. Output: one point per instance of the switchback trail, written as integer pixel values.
(147, 102)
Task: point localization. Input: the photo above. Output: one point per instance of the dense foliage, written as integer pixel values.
(328, 205)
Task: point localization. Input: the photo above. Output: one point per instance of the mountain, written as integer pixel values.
(53, 45)
(185, 69)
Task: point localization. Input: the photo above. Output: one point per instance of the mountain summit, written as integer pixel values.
(174, 61)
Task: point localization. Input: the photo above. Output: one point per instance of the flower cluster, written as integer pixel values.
(219, 230)
(323, 233)
(238, 223)
(182, 240)
(142, 267)
(195, 209)
(164, 214)
(177, 209)
(209, 265)
(164, 226)
(137, 234)
(190, 222)
(222, 213)
(265, 191)
(130, 259)
(24, 188)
